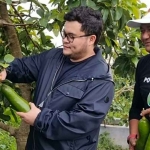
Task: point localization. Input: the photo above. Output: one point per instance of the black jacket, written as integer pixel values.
(71, 112)
(141, 96)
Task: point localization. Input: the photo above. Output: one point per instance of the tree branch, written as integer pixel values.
(16, 12)
(124, 89)
(3, 23)
(8, 128)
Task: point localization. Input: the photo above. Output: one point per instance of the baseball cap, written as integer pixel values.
(137, 22)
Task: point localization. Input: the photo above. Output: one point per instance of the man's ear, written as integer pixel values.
(92, 39)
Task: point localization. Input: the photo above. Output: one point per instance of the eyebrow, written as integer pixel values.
(69, 33)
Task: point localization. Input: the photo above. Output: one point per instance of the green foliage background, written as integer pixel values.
(121, 46)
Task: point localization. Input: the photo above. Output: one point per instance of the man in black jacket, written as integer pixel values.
(74, 87)
(141, 98)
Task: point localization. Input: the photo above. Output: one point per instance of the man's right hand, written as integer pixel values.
(132, 143)
(3, 75)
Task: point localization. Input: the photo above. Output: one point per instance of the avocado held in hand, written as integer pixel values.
(15, 100)
(144, 131)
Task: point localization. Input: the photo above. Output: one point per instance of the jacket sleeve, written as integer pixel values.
(86, 116)
(26, 69)
(137, 102)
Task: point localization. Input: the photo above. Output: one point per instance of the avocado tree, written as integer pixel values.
(24, 34)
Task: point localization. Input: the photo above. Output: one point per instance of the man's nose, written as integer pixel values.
(65, 39)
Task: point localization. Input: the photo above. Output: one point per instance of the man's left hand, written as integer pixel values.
(30, 116)
(145, 112)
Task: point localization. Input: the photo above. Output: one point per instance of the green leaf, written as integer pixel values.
(108, 50)
(122, 22)
(38, 4)
(91, 4)
(60, 17)
(43, 38)
(83, 2)
(8, 58)
(1, 109)
(4, 117)
(114, 3)
(40, 12)
(49, 27)
(19, 8)
(56, 29)
(55, 2)
(118, 13)
(107, 4)
(111, 16)
(10, 112)
(111, 35)
(14, 115)
(23, 1)
(105, 13)
(22, 35)
(53, 14)
(72, 4)
(1, 50)
(108, 42)
(135, 61)
(43, 22)
(31, 20)
(136, 12)
(8, 2)
(143, 51)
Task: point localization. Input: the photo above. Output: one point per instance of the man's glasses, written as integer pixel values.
(70, 37)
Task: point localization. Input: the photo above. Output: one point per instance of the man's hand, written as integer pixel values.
(3, 75)
(145, 112)
(30, 116)
(132, 143)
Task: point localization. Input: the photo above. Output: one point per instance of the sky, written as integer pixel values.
(147, 2)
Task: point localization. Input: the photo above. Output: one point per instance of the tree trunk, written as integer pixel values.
(15, 50)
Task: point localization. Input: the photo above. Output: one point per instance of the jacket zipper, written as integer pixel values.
(48, 96)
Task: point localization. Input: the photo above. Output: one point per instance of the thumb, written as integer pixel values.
(3, 75)
(21, 114)
(133, 142)
(31, 105)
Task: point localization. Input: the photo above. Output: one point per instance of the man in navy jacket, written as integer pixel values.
(74, 87)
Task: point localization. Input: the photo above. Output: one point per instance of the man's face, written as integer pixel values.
(77, 45)
(145, 36)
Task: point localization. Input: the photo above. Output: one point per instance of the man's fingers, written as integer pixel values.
(31, 105)
(132, 143)
(146, 111)
(21, 114)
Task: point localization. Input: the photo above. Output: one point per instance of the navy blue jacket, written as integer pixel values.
(71, 112)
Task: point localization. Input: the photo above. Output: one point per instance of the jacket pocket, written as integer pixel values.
(65, 97)
(71, 91)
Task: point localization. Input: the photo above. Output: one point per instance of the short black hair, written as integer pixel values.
(91, 20)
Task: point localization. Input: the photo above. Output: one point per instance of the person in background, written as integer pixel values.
(141, 97)
(74, 86)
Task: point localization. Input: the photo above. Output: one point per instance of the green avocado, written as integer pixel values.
(144, 129)
(15, 100)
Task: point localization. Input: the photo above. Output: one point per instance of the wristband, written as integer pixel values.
(131, 136)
